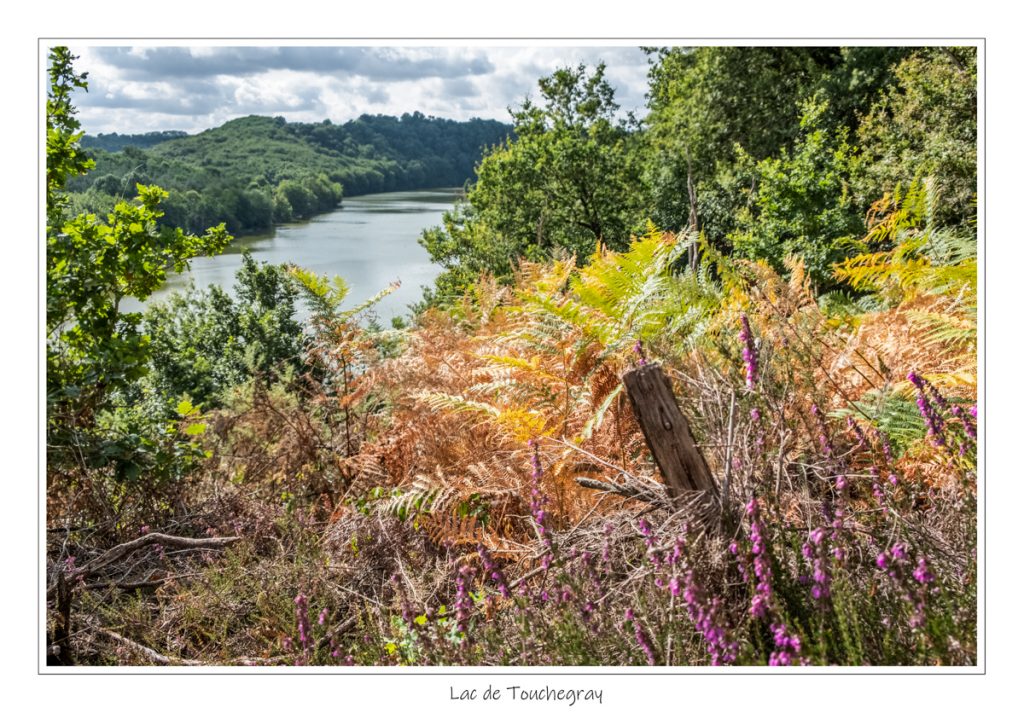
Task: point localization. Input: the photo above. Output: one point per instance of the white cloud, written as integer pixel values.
(136, 89)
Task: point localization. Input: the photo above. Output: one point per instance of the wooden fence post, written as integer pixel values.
(667, 432)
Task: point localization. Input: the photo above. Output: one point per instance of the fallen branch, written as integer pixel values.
(626, 491)
(149, 653)
(153, 538)
(157, 657)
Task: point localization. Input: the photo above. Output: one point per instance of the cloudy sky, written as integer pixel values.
(138, 89)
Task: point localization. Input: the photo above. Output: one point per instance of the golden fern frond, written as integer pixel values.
(951, 330)
(438, 401)
(450, 530)
(595, 421)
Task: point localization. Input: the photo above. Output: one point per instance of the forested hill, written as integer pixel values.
(256, 171)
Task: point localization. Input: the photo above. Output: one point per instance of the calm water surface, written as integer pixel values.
(370, 241)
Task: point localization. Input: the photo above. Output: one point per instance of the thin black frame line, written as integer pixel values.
(541, 39)
(43, 670)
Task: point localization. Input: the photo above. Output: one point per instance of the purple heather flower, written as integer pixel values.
(493, 571)
(815, 553)
(463, 600)
(638, 349)
(705, 616)
(928, 411)
(862, 440)
(302, 620)
(787, 646)
(762, 567)
(922, 574)
(823, 438)
(322, 619)
(642, 640)
(970, 428)
(749, 350)
(537, 503)
(752, 507)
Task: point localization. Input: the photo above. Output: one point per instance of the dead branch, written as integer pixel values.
(153, 538)
(626, 491)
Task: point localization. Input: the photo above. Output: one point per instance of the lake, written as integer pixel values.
(370, 241)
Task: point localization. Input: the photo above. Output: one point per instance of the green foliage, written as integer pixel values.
(64, 156)
(91, 266)
(204, 342)
(926, 124)
(803, 204)
(94, 353)
(917, 256)
(704, 102)
(253, 172)
(116, 142)
(569, 181)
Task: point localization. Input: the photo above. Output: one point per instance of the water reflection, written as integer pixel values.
(370, 242)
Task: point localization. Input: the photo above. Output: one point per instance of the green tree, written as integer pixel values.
(706, 101)
(205, 341)
(926, 125)
(92, 264)
(569, 180)
(803, 204)
(65, 158)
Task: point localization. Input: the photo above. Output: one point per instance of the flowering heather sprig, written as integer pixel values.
(932, 417)
(642, 640)
(895, 562)
(883, 440)
(705, 616)
(650, 541)
(815, 552)
(537, 504)
(463, 600)
(970, 425)
(823, 437)
(876, 485)
(606, 549)
(638, 349)
(302, 620)
(761, 601)
(755, 419)
(677, 549)
(862, 440)
(922, 574)
(749, 350)
(787, 647)
(493, 572)
(591, 603)
(937, 397)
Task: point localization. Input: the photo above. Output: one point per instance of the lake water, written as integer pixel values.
(370, 241)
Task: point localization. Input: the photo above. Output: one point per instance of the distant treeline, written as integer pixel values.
(116, 141)
(254, 172)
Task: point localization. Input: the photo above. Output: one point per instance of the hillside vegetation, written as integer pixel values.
(253, 172)
(789, 238)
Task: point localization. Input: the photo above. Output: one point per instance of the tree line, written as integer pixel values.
(254, 172)
(767, 152)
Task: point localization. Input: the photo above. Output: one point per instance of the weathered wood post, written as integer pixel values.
(667, 432)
